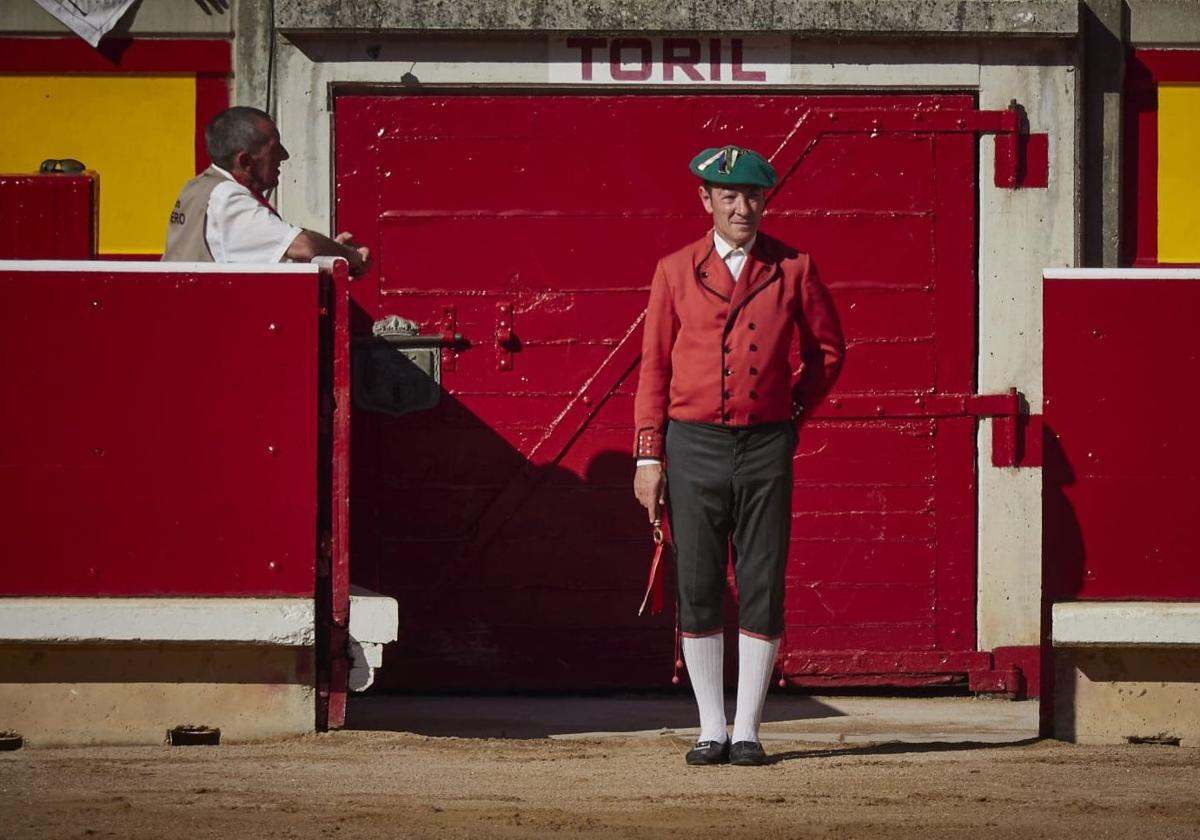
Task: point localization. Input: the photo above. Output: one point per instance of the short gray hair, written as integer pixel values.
(236, 129)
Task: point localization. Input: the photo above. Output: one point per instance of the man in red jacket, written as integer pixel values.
(718, 401)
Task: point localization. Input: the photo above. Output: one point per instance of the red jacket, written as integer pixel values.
(716, 351)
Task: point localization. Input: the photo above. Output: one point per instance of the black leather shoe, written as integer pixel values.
(708, 752)
(747, 754)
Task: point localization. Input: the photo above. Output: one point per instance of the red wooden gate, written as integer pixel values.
(503, 520)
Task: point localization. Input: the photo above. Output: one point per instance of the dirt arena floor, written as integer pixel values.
(945, 768)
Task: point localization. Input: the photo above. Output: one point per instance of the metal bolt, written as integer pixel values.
(271, 450)
(273, 327)
(97, 305)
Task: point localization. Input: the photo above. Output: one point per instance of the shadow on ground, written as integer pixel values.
(898, 748)
(511, 716)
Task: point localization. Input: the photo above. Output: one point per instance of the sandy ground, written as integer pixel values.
(931, 769)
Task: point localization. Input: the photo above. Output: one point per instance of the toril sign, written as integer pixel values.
(670, 59)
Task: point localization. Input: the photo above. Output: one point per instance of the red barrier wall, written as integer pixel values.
(1122, 360)
(160, 429)
(47, 217)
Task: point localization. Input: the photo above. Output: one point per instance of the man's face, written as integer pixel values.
(261, 168)
(736, 210)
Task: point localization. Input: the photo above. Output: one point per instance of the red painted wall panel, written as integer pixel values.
(47, 217)
(159, 436)
(560, 205)
(1121, 504)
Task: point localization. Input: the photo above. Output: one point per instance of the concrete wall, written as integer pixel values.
(1113, 695)
(1163, 23)
(974, 17)
(132, 693)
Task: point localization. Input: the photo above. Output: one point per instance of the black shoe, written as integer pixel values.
(708, 752)
(747, 754)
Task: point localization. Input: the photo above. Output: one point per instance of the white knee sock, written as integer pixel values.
(705, 657)
(756, 661)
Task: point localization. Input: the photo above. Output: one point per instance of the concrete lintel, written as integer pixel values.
(867, 17)
(1164, 22)
(1126, 624)
(265, 621)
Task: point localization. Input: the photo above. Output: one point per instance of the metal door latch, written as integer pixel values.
(506, 340)
(396, 369)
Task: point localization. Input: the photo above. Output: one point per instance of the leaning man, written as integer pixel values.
(222, 215)
(719, 404)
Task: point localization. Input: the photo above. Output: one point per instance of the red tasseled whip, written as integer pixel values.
(655, 596)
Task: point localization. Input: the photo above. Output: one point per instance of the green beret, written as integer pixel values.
(733, 165)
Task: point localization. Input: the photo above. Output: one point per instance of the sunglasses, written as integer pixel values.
(64, 165)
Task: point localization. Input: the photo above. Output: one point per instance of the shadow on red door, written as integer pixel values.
(503, 519)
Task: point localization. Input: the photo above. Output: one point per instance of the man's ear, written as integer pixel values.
(242, 161)
(706, 198)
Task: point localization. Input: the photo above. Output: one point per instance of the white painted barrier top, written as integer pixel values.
(1121, 274)
(157, 267)
(269, 621)
(1126, 624)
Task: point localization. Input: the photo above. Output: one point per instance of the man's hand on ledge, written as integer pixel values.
(361, 252)
(309, 244)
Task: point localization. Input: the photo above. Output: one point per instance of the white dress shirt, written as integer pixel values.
(734, 256)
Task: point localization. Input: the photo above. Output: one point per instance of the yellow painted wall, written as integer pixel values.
(137, 131)
(1178, 173)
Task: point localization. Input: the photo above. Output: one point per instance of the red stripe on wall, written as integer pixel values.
(1145, 70)
(1140, 211)
(212, 97)
(1158, 66)
(115, 55)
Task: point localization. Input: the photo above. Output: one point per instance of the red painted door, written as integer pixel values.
(503, 520)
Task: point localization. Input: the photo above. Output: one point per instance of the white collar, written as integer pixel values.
(221, 171)
(724, 248)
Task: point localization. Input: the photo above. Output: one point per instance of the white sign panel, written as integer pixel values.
(709, 60)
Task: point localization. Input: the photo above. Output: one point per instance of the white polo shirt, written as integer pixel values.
(240, 228)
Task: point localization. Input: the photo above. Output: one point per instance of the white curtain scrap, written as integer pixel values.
(89, 19)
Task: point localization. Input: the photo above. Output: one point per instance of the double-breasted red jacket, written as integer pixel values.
(717, 351)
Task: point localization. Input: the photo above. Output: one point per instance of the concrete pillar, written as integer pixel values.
(1104, 25)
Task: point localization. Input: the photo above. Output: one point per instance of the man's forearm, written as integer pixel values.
(309, 244)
